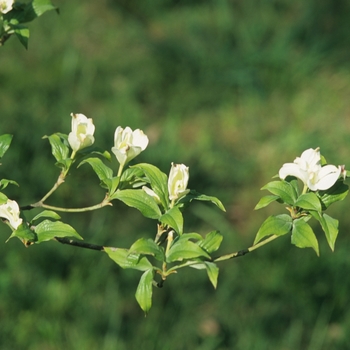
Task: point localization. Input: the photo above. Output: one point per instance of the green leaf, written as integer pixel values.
(282, 189)
(211, 242)
(5, 142)
(144, 291)
(174, 219)
(158, 181)
(48, 230)
(213, 273)
(102, 171)
(140, 200)
(22, 33)
(274, 225)
(112, 184)
(59, 147)
(148, 247)
(334, 194)
(329, 226)
(185, 249)
(309, 201)
(194, 195)
(3, 198)
(127, 260)
(303, 236)
(47, 214)
(4, 183)
(23, 232)
(265, 201)
(42, 6)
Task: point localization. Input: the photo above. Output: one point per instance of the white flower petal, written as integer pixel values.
(327, 177)
(292, 169)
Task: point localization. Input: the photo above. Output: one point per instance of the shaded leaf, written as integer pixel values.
(334, 194)
(213, 273)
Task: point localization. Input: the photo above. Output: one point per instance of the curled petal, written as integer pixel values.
(327, 177)
(292, 169)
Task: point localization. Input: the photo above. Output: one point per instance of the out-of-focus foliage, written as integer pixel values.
(232, 89)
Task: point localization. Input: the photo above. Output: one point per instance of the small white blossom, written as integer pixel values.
(6, 6)
(10, 212)
(178, 180)
(308, 169)
(82, 132)
(128, 144)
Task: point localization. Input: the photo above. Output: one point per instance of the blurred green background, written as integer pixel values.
(231, 88)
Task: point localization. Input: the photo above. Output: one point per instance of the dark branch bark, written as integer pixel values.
(79, 244)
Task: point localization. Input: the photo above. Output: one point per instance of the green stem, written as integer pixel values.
(120, 170)
(40, 204)
(245, 251)
(59, 182)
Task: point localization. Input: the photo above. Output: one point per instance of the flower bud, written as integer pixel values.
(128, 144)
(178, 180)
(82, 132)
(10, 212)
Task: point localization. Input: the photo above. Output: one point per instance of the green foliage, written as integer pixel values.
(12, 21)
(237, 87)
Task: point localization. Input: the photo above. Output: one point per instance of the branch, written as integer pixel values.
(79, 244)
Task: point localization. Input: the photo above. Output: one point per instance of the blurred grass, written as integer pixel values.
(233, 89)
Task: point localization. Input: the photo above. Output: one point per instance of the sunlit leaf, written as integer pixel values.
(59, 147)
(185, 249)
(48, 230)
(144, 291)
(174, 219)
(213, 273)
(194, 195)
(329, 226)
(265, 201)
(282, 189)
(211, 242)
(24, 234)
(127, 260)
(4, 183)
(5, 142)
(303, 236)
(274, 225)
(47, 214)
(158, 181)
(148, 247)
(140, 200)
(309, 201)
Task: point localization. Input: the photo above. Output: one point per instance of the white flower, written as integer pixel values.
(6, 6)
(308, 169)
(128, 144)
(82, 132)
(10, 212)
(178, 180)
